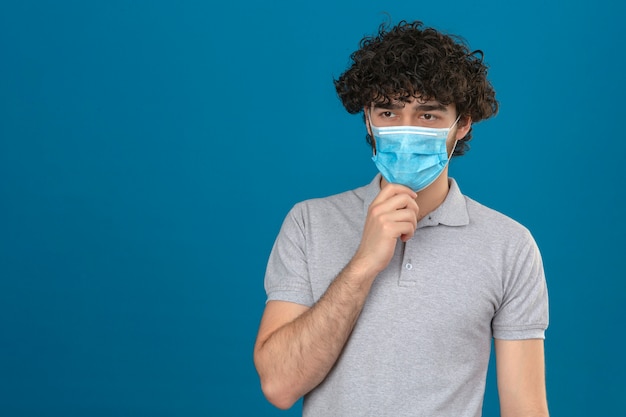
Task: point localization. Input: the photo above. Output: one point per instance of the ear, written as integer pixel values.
(462, 129)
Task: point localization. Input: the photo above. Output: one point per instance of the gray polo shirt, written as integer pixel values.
(422, 342)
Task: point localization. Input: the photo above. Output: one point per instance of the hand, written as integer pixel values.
(391, 216)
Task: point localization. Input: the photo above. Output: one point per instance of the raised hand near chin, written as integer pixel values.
(392, 215)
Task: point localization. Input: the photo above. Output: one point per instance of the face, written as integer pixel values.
(417, 113)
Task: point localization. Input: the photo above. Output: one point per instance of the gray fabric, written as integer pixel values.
(421, 345)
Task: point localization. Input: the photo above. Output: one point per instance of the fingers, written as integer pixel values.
(391, 216)
(396, 204)
(396, 224)
(399, 211)
(390, 189)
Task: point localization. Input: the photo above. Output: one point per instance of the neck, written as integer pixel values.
(430, 197)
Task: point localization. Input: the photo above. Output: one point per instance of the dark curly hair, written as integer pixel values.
(409, 61)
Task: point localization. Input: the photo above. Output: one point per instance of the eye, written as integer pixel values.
(428, 116)
(386, 115)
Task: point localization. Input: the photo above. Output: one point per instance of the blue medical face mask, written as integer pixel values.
(411, 155)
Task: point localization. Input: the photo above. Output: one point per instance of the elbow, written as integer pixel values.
(280, 390)
(278, 394)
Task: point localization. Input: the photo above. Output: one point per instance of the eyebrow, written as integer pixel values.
(430, 106)
(389, 106)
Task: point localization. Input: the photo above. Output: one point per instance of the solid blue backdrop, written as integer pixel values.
(149, 151)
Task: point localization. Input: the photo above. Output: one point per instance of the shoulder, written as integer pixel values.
(496, 225)
(336, 204)
(480, 212)
(335, 217)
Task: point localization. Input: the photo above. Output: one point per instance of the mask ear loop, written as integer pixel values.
(455, 141)
(368, 120)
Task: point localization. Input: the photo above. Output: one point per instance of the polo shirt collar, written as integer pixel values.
(452, 212)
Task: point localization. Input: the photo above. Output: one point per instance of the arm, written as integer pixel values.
(296, 346)
(521, 378)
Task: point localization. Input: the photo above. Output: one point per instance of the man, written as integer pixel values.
(384, 300)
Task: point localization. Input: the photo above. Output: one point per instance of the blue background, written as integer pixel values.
(149, 151)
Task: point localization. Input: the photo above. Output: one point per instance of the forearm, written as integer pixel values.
(295, 358)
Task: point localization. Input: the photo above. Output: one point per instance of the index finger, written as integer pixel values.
(390, 189)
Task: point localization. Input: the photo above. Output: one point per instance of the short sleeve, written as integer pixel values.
(286, 275)
(523, 312)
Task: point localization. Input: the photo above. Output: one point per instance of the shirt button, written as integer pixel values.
(408, 266)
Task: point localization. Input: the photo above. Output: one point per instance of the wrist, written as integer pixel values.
(360, 269)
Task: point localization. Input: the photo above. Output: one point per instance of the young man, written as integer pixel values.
(384, 300)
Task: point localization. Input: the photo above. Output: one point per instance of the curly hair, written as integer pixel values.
(409, 61)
